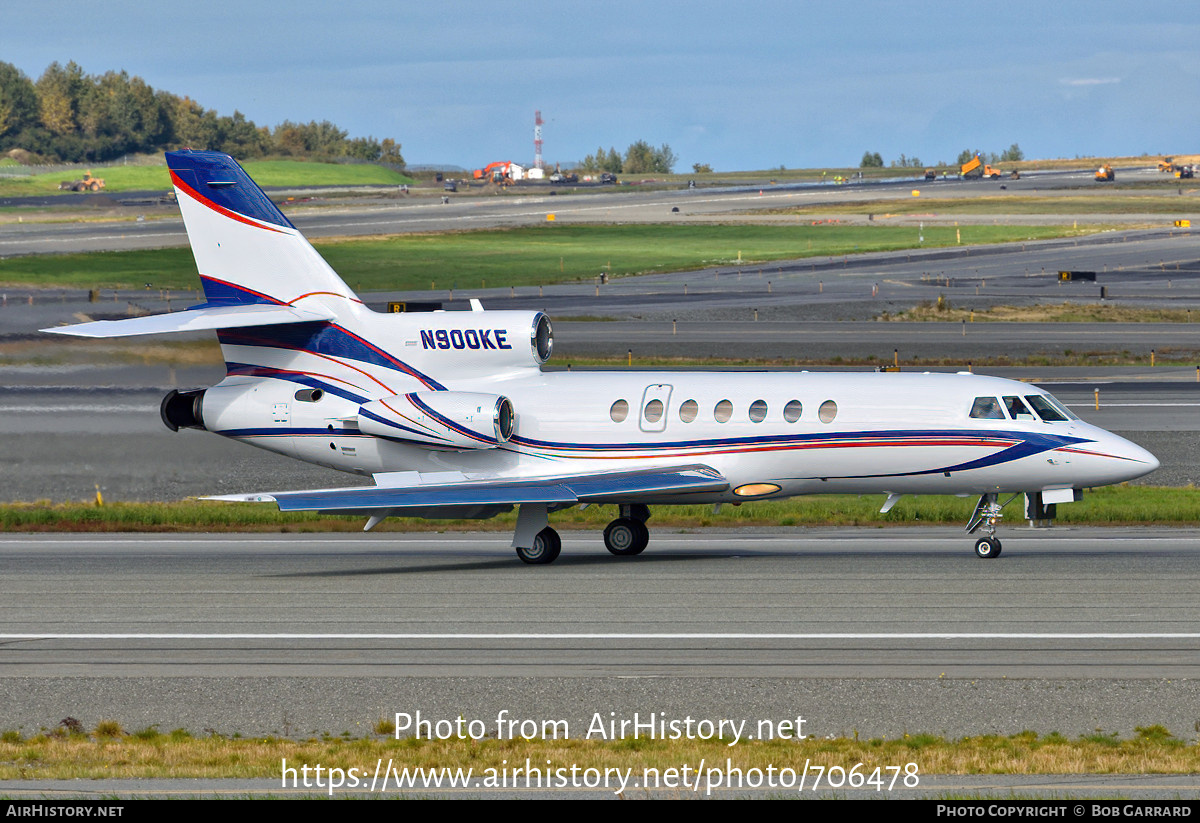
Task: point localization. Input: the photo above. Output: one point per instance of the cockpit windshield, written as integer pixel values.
(1050, 408)
(1017, 410)
(1044, 406)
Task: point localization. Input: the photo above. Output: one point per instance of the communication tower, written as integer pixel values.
(537, 140)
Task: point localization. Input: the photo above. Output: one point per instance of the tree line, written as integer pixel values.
(69, 116)
(639, 158)
(874, 160)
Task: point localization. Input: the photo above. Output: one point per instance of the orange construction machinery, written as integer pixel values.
(498, 172)
(88, 183)
(977, 168)
(1105, 174)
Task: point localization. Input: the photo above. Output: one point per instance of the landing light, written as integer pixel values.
(755, 489)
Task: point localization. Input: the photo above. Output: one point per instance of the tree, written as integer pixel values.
(642, 158)
(389, 152)
(59, 90)
(665, 159)
(871, 160)
(18, 101)
(701, 168)
(1012, 154)
(966, 156)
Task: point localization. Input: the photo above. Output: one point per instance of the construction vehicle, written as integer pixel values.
(88, 183)
(1167, 164)
(1105, 174)
(977, 168)
(1184, 171)
(498, 172)
(930, 174)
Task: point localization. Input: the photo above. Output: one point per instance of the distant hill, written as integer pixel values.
(72, 117)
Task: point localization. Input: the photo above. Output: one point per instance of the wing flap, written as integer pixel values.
(590, 488)
(198, 319)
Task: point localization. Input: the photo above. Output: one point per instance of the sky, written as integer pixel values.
(754, 84)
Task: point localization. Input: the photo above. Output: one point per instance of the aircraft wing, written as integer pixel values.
(496, 494)
(197, 319)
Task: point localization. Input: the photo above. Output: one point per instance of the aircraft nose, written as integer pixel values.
(1137, 462)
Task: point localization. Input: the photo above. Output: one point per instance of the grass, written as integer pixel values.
(1109, 506)
(65, 754)
(928, 311)
(525, 256)
(289, 173)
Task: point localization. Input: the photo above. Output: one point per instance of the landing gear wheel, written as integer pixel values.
(988, 548)
(626, 537)
(546, 546)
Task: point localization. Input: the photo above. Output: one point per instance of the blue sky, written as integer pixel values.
(739, 85)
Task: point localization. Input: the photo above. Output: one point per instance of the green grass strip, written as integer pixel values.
(1108, 506)
(287, 173)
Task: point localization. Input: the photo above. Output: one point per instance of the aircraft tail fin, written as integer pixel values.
(246, 250)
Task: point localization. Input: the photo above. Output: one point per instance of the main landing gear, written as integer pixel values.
(546, 546)
(537, 544)
(627, 535)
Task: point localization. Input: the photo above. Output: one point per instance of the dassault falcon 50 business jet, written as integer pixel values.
(453, 416)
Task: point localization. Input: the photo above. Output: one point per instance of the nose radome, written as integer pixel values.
(1141, 461)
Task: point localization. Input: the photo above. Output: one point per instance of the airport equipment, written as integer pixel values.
(1105, 174)
(87, 183)
(977, 168)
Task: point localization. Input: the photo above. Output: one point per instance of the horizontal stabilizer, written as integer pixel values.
(623, 487)
(199, 319)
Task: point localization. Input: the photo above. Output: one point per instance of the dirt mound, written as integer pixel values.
(25, 158)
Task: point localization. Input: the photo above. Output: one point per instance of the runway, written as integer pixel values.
(864, 630)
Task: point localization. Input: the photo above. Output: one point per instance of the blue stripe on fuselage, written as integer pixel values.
(321, 337)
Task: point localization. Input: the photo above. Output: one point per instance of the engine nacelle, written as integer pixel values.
(469, 343)
(450, 419)
(183, 409)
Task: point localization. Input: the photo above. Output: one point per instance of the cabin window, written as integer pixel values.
(723, 411)
(792, 411)
(654, 411)
(1044, 409)
(827, 412)
(1017, 410)
(758, 411)
(987, 408)
(619, 411)
(688, 411)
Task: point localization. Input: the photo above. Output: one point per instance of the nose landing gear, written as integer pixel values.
(987, 514)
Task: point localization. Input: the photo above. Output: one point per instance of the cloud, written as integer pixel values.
(1089, 81)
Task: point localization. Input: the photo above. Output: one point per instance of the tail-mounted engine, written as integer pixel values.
(451, 419)
(469, 344)
(183, 409)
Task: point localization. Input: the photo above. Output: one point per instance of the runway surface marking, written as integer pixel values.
(623, 636)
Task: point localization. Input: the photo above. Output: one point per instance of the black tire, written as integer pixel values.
(626, 537)
(546, 547)
(987, 548)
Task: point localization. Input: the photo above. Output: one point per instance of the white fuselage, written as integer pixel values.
(805, 432)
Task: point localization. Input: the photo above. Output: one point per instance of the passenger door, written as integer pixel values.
(653, 414)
